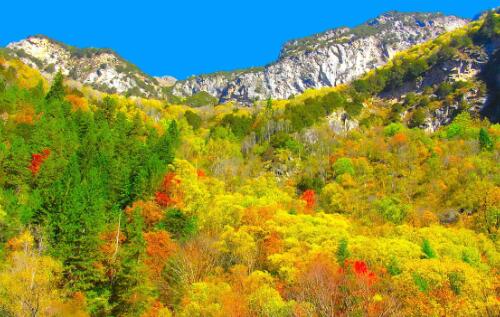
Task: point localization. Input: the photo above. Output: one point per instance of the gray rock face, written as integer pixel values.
(102, 69)
(326, 59)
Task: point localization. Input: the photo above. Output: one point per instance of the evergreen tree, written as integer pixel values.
(56, 91)
(342, 251)
(174, 133)
(487, 30)
(428, 250)
(485, 140)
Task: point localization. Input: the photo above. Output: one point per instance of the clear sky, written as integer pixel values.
(183, 37)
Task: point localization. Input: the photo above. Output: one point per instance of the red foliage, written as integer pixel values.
(162, 199)
(169, 181)
(165, 196)
(309, 196)
(361, 271)
(201, 173)
(360, 267)
(37, 160)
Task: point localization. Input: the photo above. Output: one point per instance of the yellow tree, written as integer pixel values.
(29, 279)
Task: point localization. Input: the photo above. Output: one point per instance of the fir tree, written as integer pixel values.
(56, 91)
(342, 251)
(485, 140)
(428, 250)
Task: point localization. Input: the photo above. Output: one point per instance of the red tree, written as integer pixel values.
(309, 196)
(37, 160)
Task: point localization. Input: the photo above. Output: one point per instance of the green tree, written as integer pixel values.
(56, 91)
(193, 119)
(343, 166)
(485, 140)
(342, 253)
(428, 250)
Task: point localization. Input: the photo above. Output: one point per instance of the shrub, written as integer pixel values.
(193, 119)
(239, 125)
(392, 209)
(343, 166)
(200, 99)
(392, 129)
(485, 140)
(428, 250)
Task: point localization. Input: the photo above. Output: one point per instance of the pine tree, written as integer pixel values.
(173, 133)
(56, 91)
(2, 85)
(342, 251)
(428, 250)
(485, 140)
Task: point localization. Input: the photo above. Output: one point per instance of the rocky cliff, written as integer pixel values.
(327, 59)
(102, 69)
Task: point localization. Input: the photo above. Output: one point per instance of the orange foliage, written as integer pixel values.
(235, 305)
(159, 247)
(25, 116)
(257, 216)
(149, 210)
(78, 103)
(399, 139)
(156, 310)
(273, 244)
(109, 238)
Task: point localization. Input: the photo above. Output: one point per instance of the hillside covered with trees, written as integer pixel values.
(378, 198)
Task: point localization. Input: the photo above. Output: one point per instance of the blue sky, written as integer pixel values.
(181, 38)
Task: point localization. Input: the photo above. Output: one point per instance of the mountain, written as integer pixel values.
(379, 197)
(327, 59)
(103, 69)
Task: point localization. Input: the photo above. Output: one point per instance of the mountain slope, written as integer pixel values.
(334, 57)
(102, 69)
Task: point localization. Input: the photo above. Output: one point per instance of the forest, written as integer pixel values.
(115, 205)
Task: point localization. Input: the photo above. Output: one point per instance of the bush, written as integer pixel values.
(193, 119)
(343, 166)
(485, 140)
(391, 209)
(392, 129)
(314, 183)
(428, 250)
(239, 125)
(444, 90)
(417, 118)
(178, 224)
(201, 99)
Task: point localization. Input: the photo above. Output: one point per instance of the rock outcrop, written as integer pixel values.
(102, 69)
(327, 59)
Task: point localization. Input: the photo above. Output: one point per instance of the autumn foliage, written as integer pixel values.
(37, 160)
(309, 196)
(149, 210)
(159, 247)
(166, 195)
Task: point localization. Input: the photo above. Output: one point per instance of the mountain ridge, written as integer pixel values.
(329, 58)
(336, 56)
(102, 68)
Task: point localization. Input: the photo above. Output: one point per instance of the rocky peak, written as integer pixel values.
(326, 59)
(103, 69)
